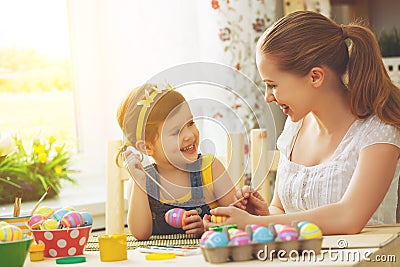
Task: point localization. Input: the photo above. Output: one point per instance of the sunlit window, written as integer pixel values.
(36, 97)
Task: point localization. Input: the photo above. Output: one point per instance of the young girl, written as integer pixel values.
(339, 151)
(158, 122)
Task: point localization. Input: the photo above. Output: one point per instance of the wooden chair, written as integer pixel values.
(261, 160)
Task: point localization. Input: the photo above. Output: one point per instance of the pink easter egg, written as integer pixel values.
(239, 237)
(72, 219)
(287, 233)
(47, 212)
(36, 221)
(175, 217)
(10, 233)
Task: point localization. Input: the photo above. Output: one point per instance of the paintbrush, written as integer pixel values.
(17, 203)
(240, 199)
(134, 151)
(40, 201)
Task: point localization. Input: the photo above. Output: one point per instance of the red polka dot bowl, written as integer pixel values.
(63, 242)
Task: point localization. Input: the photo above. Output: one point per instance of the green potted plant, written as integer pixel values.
(33, 168)
(389, 43)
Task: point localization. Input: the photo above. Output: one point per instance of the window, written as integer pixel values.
(36, 96)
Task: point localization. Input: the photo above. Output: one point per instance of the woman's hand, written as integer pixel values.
(252, 202)
(193, 223)
(134, 166)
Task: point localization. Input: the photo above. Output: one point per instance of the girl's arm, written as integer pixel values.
(370, 182)
(224, 189)
(139, 214)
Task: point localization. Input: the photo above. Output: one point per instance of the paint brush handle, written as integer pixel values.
(40, 201)
(240, 199)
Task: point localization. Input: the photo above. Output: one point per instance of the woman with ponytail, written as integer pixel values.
(339, 151)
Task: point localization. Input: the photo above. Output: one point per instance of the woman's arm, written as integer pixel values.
(276, 206)
(224, 189)
(370, 182)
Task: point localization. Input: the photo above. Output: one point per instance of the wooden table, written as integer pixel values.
(374, 246)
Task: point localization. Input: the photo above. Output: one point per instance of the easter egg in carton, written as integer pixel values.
(263, 240)
(287, 233)
(176, 217)
(205, 236)
(260, 234)
(215, 239)
(309, 230)
(239, 237)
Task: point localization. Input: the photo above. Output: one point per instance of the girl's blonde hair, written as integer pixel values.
(305, 39)
(155, 114)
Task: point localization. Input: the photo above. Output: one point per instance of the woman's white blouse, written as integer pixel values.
(303, 188)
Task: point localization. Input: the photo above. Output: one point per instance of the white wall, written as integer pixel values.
(117, 45)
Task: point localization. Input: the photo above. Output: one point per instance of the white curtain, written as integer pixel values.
(117, 45)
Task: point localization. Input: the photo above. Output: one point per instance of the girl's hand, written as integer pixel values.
(207, 222)
(234, 216)
(134, 166)
(252, 201)
(193, 223)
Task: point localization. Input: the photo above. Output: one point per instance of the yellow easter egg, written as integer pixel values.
(217, 219)
(45, 211)
(310, 231)
(50, 224)
(10, 233)
(2, 224)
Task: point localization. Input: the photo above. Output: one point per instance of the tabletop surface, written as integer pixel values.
(339, 250)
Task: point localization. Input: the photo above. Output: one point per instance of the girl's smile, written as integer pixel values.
(189, 149)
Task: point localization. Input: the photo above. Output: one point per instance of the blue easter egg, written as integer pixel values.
(87, 218)
(58, 214)
(204, 237)
(216, 239)
(262, 234)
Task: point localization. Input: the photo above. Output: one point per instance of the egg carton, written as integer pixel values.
(261, 251)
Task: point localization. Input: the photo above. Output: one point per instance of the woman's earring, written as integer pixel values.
(141, 157)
